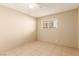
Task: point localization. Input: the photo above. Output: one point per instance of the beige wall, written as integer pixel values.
(78, 30)
(15, 28)
(65, 34)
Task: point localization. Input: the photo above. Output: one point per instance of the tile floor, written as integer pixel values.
(39, 48)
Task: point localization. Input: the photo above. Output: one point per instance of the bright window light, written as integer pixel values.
(55, 23)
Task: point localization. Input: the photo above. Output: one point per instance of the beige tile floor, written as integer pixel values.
(39, 48)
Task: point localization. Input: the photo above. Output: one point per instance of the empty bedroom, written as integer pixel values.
(39, 29)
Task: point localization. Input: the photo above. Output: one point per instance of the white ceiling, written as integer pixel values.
(43, 9)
